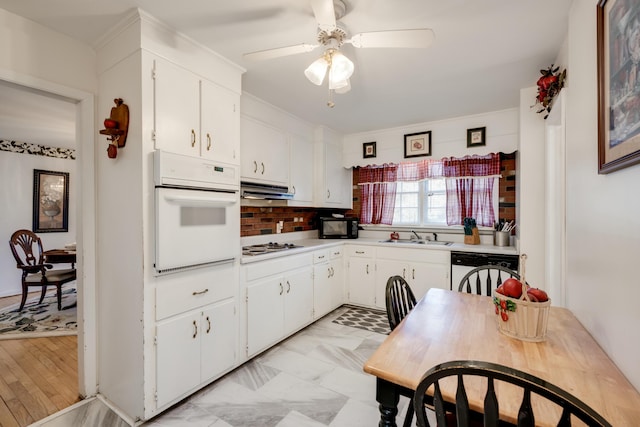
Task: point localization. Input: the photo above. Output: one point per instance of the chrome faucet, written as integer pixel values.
(416, 234)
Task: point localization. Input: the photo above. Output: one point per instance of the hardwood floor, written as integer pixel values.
(38, 376)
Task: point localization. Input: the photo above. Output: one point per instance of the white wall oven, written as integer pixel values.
(197, 212)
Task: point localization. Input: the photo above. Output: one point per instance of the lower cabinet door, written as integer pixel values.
(322, 292)
(265, 314)
(219, 336)
(298, 308)
(177, 356)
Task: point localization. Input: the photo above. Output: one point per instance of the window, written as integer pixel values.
(421, 203)
(424, 203)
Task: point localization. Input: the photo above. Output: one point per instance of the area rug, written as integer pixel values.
(41, 320)
(364, 318)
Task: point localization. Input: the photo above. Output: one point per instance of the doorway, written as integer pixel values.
(83, 122)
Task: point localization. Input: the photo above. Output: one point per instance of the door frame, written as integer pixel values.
(86, 227)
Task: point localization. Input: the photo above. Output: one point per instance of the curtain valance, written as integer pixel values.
(448, 167)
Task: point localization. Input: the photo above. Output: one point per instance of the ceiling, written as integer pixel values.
(484, 52)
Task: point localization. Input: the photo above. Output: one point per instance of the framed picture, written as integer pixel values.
(368, 150)
(476, 137)
(417, 144)
(618, 53)
(50, 201)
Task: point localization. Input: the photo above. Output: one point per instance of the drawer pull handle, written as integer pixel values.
(328, 272)
(413, 273)
(193, 138)
(200, 292)
(208, 324)
(195, 329)
(404, 273)
(321, 257)
(332, 271)
(367, 268)
(262, 173)
(281, 289)
(360, 252)
(208, 142)
(288, 286)
(255, 166)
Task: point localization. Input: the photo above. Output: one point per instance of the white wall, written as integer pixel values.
(603, 231)
(31, 49)
(16, 208)
(448, 138)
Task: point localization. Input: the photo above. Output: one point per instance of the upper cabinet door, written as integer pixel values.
(177, 106)
(220, 123)
(301, 183)
(265, 153)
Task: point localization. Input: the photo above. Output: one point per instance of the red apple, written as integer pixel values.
(512, 288)
(538, 294)
(110, 124)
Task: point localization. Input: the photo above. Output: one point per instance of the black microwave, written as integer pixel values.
(338, 228)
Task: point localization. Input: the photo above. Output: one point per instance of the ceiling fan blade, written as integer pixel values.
(419, 38)
(325, 14)
(279, 51)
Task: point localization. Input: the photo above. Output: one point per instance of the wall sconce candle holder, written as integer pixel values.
(116, 127)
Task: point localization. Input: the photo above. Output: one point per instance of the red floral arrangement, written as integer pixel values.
(549, 85)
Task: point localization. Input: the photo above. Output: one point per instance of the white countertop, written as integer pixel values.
(309, 243)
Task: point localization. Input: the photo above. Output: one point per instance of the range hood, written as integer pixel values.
(254, 191)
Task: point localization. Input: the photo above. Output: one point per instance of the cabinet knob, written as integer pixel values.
(208, 142)
(193, 138)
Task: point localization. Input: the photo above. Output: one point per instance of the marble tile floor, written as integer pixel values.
(312, 379)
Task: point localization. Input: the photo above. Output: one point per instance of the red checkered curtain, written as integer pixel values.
(470, 188)
(377, 193)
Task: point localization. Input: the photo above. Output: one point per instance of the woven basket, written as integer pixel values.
(520, 318)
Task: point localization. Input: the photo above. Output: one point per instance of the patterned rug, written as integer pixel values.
(41, 320)
(364, 318)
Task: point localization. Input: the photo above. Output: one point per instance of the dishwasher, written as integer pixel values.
(464, 262)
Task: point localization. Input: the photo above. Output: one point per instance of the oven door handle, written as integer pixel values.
(212, 200)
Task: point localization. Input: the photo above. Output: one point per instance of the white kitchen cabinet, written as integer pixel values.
(279, 299)
(220, 123)
(333, 181)
(193, 348)
(328, 281)
(361, 275)
(301, 165)
(264, 152)
(423, 269)
(194, 116)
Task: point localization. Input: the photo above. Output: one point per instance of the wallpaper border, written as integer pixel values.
(37, 150)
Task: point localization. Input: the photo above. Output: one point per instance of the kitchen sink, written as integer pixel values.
(417, 242)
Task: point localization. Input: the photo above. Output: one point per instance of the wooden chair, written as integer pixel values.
(34, 271)
(482, 279)
(399, 301)
(528, 384)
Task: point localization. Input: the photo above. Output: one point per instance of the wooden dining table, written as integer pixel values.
(60, 256)
(448, 325)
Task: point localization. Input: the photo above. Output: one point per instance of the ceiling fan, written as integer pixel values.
(331, 37)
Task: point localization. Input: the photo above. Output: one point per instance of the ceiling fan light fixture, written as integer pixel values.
(341, 67)
(317, 70)
(344, 88)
